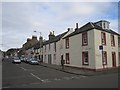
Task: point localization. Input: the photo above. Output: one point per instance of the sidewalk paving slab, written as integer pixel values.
(78, 71)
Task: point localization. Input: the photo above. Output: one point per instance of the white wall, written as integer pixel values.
(76, 48)
(107, 48)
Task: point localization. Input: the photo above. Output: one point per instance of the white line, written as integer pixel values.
(23, 68)
(6, 87)
(37, 77)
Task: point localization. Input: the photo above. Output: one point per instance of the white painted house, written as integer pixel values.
(81, 48)
(52, 48)
(93, 46)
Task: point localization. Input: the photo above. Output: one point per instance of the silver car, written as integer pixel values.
(16, 60)
(33, 61)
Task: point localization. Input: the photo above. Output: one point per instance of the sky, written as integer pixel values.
(20, 19)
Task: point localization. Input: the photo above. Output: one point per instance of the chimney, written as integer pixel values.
(53, 32)
(51, 35)
(68, 29)
(34, 37)
(28, 39)
(76, 25)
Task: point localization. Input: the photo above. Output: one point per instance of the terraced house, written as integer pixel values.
(52, 48)
(93, 46)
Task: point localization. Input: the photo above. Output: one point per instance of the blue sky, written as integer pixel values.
(20, 19)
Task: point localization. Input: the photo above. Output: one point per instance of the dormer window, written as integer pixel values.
(103, 23)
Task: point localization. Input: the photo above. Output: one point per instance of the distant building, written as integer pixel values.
(29, 44)
(1, 55)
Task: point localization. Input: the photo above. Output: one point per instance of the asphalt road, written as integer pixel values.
(35, 76)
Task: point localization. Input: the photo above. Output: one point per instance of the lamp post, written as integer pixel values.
(101, 48)
(40, 45)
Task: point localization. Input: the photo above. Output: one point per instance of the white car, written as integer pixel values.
(16, 60)
(33, 61)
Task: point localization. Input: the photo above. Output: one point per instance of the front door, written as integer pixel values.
(49, 58)
(114, 59)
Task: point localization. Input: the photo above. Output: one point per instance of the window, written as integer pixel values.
(119, 58)
(45, 48)
(67, 58)
(49, 46)
(103, 38)
(104, 59)
(119, 41)
(112, 40)
(85, 58)
(104, 25)
(67, 43)
(55, 46)
(54, 56)
(84, 39)
(45, 58)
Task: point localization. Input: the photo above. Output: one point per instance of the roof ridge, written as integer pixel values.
(91, 23)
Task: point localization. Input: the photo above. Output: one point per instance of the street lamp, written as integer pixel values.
(40, 41)
(101, 48)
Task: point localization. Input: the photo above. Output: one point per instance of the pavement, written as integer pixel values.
(79, 71)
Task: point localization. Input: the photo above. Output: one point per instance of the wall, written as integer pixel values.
(108, 48)
(76, 48)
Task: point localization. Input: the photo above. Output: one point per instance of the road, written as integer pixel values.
(35, 76)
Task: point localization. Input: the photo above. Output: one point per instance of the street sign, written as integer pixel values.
(100, 47)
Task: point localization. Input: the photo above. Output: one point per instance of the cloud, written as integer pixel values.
(20, 19)
(60, 1)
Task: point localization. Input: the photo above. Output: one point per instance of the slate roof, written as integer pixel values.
(55, 39)
(90, 26)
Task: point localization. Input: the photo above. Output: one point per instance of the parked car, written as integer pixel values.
(25, 60)
(33, 61)
(28, 60)
(16, 60)
(22, 59)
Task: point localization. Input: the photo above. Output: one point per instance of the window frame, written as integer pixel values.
(67, 43)
(49, 46)
(104, 53)
(83, 58)
(55, 46)
(83, 38)
(45, 48)
(67, 58)
(118, 41)
(112, 40)
(103, 38)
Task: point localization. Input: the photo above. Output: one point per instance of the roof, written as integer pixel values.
(90, 26)
(55, 39)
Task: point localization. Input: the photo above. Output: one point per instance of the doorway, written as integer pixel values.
(113, 59)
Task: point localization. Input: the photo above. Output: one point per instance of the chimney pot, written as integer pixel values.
(68, 29)
(53, 32)
(76, 25)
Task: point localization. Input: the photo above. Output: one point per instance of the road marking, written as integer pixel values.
(23, 68)
(5, 87)
(26, 69)
(37, 77)
(57, 79)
